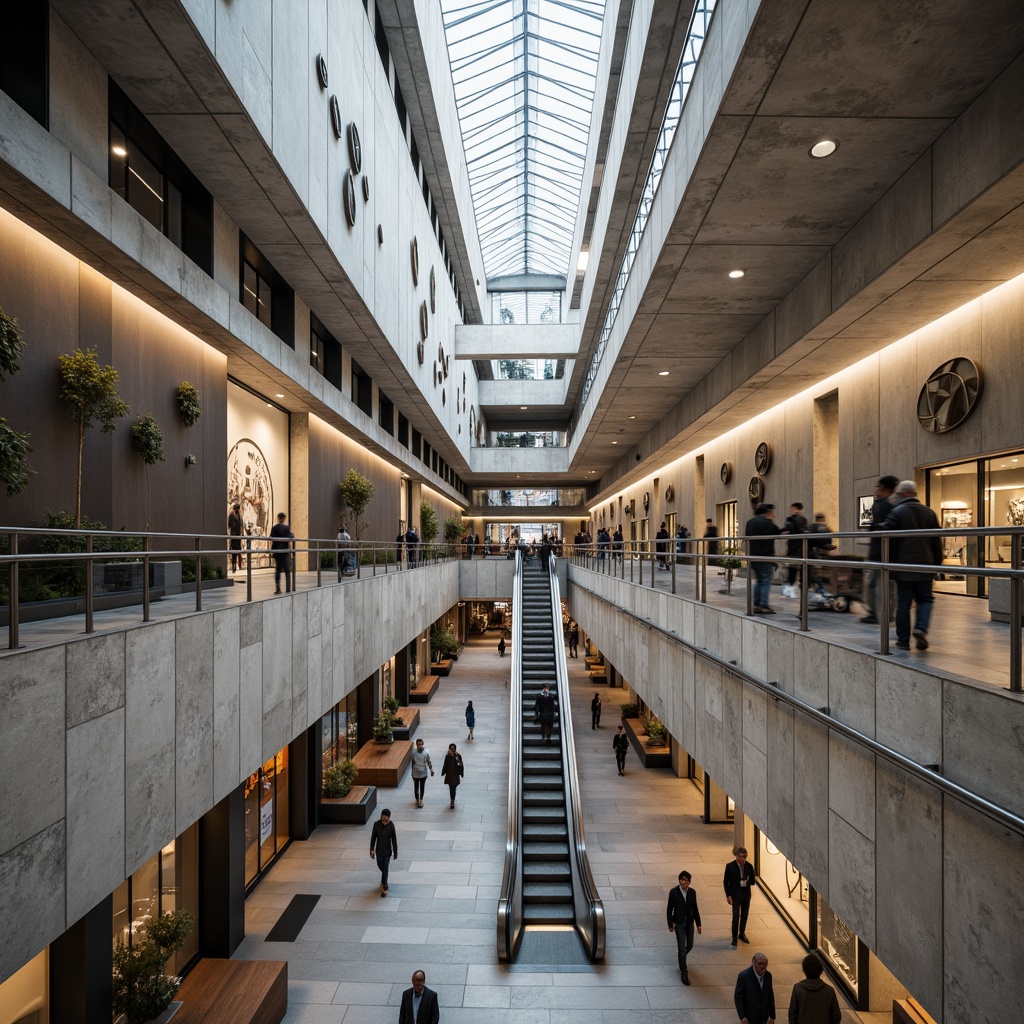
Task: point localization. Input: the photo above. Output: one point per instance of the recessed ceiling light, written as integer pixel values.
(736, 274)
(632, 417)
(1013, 460)
(119, 150)
(615, 442)
(279, 396)
(583, 261)
(663, 373)
(826, 147)
(523, 408)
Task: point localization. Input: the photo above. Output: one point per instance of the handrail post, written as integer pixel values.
(750, 585)
(13, 607)
(805, 579)
(675, 559)
(89, 600)
(319, 574)
(145, 578)
(374, 559)
(1016, 587)
(704, 574)
(883, 601)
(199, 575)
(248, 570)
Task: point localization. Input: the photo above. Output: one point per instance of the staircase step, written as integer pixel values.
(545, 833)
(543, 799)
(546, 892)
(543, 816)
(548, 913)
(546, 853)
(542, 781)
(546, 871)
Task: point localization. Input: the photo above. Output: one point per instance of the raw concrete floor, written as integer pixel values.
(357, 952)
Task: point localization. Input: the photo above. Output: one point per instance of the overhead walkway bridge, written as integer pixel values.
(548, 896)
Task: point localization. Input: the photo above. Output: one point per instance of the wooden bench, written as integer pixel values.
(234, 992)
(425, 689)
(383, 764)
(598, 676)
(411, 718)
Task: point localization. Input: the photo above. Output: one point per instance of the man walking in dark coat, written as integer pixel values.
(419, 1003)
(755, 999)
(880, 509)
(620, 744)
(682, 915)
(910, 515)
(739, 878)
(762, 525)
(384, 846)
(544, 709)
(281, 537)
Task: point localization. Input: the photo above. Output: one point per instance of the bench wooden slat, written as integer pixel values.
(234, 992)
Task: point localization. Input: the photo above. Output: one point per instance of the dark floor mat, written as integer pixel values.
(295, 915)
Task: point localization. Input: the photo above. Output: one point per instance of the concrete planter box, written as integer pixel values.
(442, 667)
(354, 809)
(650, 757)
(425, 689)
(999, 600)
(411, 717)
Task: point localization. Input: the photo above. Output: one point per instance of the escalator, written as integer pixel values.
(547, 884)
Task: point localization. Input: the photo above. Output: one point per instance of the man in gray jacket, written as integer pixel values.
(812, 1001)
(910, 515)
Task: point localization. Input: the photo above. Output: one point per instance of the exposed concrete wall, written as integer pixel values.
(890, 854)
(113, 744)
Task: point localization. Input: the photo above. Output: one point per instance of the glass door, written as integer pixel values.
(953, 494)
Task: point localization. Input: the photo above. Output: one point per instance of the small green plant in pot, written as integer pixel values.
(383, 728)
(142, 990)
(656, 733)
(630, 710)
(391, 704)
(339, 779)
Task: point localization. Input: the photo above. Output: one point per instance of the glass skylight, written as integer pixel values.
(524, 75)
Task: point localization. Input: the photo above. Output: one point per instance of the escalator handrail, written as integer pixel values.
(510, 897)
(588, 908)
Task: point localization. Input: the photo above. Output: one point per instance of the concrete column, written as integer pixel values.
(81, 965)
(403, 662)
(298, 425)
(303, 785)
(222, 874)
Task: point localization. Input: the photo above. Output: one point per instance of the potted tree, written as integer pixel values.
(730, 563)
(142, 991)
(383, 728)
(339, 779)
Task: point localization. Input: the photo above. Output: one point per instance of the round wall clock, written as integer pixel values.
(725, 472)
(949, 395)
(415, 257)
(350, 198)
(755, 489)
(420, 351)
(670, 493)
(423, 320)
(321, 70)
(336, 116)
(433, 291)
(763, 458)
(444, 396)
(366, 189)
(355, 149)
(380, 234)
(647, 500)
(440, 352)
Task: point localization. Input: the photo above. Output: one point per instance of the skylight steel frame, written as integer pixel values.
(524, 73)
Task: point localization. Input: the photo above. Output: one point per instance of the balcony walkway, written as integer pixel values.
(966, 644)
(357, 952)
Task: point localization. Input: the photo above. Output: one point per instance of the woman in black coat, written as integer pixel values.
(452, 770)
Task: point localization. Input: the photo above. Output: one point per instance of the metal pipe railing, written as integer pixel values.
(731, 555)
(149, 548)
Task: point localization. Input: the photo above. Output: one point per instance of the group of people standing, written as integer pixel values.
(812, 1001)
(895, 507)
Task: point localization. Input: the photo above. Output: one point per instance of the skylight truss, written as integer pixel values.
(524, 74)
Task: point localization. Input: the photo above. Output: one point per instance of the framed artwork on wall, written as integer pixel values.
(864, 504)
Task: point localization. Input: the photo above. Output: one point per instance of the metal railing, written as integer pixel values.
(510, 898)
(588, 907)
(329, 559)
(642, 561)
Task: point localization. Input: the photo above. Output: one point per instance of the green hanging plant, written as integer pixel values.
(14, 467)
(11, 344)
(190, 403)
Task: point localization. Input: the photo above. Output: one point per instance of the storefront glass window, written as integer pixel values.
(266, 815)
(952, 494)
(838, 943)
(252, 828)
(267, 809)
(789, 887)
(165, 883)
(281, 780)
(1004, 503)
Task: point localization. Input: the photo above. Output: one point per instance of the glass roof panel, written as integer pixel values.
(524, 75)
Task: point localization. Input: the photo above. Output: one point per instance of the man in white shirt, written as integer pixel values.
(421, 765)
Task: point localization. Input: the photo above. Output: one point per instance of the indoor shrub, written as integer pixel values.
(339, 779)
(141, 989)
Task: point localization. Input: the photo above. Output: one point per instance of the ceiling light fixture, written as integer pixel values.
(826, 147)
(523, 408)
(632, 417)
(119, 150)
(663, 373)
(737, 274)
(615, 442)
(279, 396)
(583, 262)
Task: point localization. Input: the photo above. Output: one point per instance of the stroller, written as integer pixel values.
(819, 596)
(834, 588)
